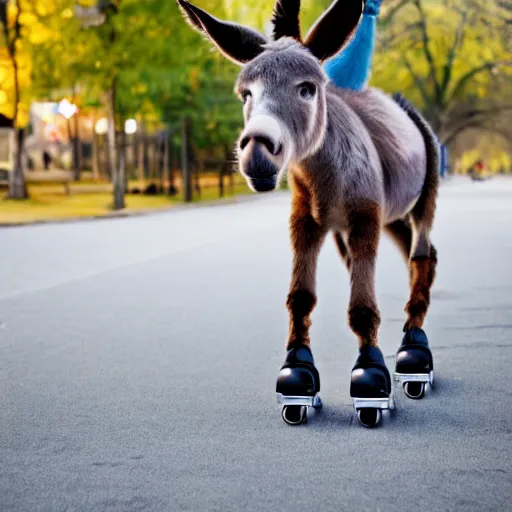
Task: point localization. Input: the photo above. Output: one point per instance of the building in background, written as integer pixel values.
(6, 148)
(49, 144)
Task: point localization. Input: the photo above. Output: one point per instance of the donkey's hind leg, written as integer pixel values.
(298, 382)
(414, 362)
(421, 256)
(423, 262)
(370, 386)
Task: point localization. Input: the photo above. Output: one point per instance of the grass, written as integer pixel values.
(50, 202)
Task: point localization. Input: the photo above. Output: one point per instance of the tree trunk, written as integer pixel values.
(140, 158)
(17, 187)
(185, 168)
(95, 157)
(170, 170)
(153, 165)
(123, 174)
(221, 181)
(116, 171)
(165, 164)
(146, 155)
(74, 156)
(199, 170)
(77, 167)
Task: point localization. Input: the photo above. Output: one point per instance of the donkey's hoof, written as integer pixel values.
(298, 384)
(370, 387)
(369, 418)
(414, 367)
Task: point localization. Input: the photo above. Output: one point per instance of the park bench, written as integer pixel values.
(51, 177)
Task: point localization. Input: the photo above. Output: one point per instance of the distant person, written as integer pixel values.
(477, 171)
(47, 160)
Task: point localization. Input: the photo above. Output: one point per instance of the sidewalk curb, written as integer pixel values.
(243, 198)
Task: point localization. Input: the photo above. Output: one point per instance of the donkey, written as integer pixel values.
(358, 162)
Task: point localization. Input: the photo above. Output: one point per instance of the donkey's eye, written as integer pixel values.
(307, 90)
(246, 94)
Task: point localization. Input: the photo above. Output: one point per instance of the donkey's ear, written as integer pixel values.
(238, 43)
(332, 30)
(188, 14)
(286, 19)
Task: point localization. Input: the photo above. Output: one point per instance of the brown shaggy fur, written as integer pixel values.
(358, 161)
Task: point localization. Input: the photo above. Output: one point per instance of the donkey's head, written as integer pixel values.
(282, 84)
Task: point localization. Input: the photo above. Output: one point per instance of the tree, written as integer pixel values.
(10, 15)
(130, 55)
(27, 26)
(447, 57)
(54, 76)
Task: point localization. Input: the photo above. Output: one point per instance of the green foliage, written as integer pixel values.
(451, 58)
(445, 55)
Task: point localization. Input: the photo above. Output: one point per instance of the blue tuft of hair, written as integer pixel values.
(372, 7)
(350, 69)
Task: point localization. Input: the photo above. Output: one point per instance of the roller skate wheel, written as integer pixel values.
(369, 417)
(415, 390)
(294, 414)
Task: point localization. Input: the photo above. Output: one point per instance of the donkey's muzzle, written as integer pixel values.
(258, 168)
(260, 152)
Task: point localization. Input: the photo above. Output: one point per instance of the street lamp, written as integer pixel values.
(67, 109)
(101, 126)
(130, 126)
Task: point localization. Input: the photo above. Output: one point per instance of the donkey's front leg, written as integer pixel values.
(370, 386)
(307, 237)
(298, 382)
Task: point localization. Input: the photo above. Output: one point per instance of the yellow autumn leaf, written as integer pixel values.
(194, 79)
(23, 115)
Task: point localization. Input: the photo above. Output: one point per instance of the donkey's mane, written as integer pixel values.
(285, 43)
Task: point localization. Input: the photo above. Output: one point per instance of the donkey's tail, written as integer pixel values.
(424, 209)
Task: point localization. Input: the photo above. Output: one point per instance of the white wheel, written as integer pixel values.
(294, 414)
(415, 390)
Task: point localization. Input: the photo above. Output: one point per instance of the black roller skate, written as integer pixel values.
(298, 384)
(370, 387)
(414, 367)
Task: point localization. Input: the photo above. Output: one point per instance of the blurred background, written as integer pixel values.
(139, 355)
(117, 104)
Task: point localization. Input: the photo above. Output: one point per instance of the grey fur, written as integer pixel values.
(368, 146)
(358, 161)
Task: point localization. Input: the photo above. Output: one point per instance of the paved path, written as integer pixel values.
(138, 360)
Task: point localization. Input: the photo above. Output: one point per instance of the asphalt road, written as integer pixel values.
(138, 360)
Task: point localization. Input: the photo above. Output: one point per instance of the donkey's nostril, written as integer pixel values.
(268, 143)
(272, 147)
(243, 143)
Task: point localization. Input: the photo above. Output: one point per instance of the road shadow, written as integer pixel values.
(409, 416)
